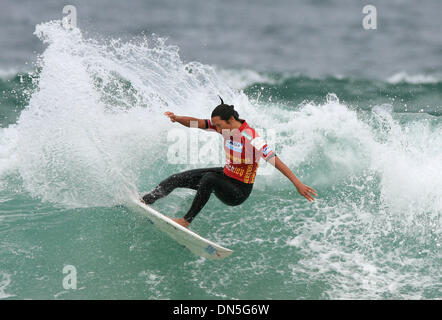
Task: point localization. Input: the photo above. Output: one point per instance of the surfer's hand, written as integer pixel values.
(306, 192)
(171, 116)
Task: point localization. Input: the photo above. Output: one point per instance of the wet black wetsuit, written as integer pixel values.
(205, 181)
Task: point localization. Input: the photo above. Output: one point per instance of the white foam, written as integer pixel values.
(8, 73)
(97, 117)
(388, 177)
(5, 281)
(8, 155)
(413, 79)
(242, 78)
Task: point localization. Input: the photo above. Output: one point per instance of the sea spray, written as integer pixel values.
(96, 118)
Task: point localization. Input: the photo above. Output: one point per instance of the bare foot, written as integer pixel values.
(182, 222)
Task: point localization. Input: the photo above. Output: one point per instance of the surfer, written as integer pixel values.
(233, 183)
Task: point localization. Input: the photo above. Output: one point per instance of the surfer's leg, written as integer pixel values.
(228, 191)
(231, 191)
(187, 179)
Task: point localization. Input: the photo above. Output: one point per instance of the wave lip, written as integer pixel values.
(8, 73)
(404, 77)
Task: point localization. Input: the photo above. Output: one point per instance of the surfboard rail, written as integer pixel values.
(187, 238)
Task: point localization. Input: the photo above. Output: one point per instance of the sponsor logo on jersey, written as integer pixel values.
(267, 150)
(234, 145)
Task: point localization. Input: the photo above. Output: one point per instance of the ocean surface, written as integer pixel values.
(355, 113)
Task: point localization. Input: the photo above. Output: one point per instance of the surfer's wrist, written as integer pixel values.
(296, 182)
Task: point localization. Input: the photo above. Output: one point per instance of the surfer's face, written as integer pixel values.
(221, 124)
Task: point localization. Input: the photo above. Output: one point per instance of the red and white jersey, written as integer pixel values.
(244, 148)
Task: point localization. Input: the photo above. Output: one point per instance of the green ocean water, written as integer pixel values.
(87, 124)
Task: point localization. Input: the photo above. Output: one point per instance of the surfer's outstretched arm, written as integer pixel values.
(187, 121)
(303, 190)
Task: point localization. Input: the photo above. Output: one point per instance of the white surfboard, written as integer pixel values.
(189, 239)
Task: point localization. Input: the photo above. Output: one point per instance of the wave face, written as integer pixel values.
(86, 130)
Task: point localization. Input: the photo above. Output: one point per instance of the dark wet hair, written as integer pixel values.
(225, 111)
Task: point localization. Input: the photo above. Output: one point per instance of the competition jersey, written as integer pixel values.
(244, 148)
